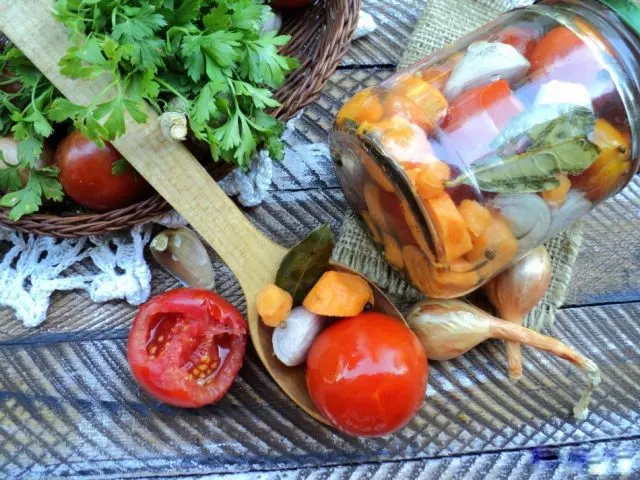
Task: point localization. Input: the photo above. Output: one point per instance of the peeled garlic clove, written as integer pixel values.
(528, 216)
(574, 207)
(182, 254)
(293, 338)
(486, 62)
(9, 150)
(556, 91)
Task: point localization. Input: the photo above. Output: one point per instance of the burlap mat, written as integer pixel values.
(442, 22)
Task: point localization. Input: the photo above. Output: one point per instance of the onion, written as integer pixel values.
(449, 328)
(528, 216)
(515, 292)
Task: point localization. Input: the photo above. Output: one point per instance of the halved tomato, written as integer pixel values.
(186, 346)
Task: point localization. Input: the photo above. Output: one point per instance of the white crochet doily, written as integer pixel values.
(33, 267)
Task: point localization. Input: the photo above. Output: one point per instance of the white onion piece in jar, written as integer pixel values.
(558, 92)
(528, 216)
(293, 338)
(574, 207)
(486, 62)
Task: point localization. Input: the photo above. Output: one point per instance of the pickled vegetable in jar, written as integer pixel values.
(466, 161)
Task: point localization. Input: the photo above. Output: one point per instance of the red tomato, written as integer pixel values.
(186, 346)
(522, 39)
(6, 85)
(476, 117)
(367, 374)
(564, 56)
(86, 175)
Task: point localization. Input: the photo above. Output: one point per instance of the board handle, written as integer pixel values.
(168, 166)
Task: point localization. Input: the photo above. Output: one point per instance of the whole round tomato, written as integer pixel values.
(186, 346)
(367, 374)
(88, 177)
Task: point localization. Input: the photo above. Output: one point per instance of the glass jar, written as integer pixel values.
(461, 164)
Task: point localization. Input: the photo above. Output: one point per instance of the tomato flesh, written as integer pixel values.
(87, 177)
(367, 374)
(186, 347)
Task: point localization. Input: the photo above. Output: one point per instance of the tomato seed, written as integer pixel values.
(210, 371)
(202, 367)
(152, 350)
(202, 375)
(161, 338)
(195, 371)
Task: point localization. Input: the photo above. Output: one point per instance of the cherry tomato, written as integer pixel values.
(186, 346)
(564, 56)
(87, 177)
(367, 374)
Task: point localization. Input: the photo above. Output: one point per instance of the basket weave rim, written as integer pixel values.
(321, 35)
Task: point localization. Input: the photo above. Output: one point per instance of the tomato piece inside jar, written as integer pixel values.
(186, 347)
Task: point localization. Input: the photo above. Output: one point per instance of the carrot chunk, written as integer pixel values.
(475, 216)
(273, 305)
(339, 294)
(450, 226)
(557, 196)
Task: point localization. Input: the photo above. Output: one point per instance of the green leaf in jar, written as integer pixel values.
(556, 146)
(305, 263)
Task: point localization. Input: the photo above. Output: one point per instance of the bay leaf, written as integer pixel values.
(556, 146)
(305, 263)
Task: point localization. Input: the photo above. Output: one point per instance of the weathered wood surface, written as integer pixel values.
(69, 407)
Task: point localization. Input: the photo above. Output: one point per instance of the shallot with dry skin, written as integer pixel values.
(449, 328)
(515, 292)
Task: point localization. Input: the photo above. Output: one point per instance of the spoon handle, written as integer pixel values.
(168, 166)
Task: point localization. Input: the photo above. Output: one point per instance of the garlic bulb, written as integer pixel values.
(575, 207)
(528, 216)
(486, 62)
(293, 338)
(182, 254)
(174, 126)
(556, 91)
(449, 328)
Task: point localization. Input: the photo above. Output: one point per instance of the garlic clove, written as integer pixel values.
(528, 216)
(292, 339)
(181, 253)
(486, 62)
(556, 92)
(574, 207)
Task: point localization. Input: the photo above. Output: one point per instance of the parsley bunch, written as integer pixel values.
(208, 54)
(25, 115)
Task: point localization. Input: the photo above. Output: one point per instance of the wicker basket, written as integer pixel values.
(321, 34)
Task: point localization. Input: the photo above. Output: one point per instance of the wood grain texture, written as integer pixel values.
(395, 20)
(71, 408)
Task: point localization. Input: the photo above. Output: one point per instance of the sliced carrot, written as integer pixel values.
(459, 278)
(392, 251)
(339, 294)
(428, 185)
(364, 106)
(441, 170)
(374, 205)
(273, 305)
(495, 249)
(450, 226)
(403, 140)
(557, 196)
(373, 228)
(395, 104)
(376, 173)
(475, 216)
(418, 268)
(415, 229)
(428, 98)
(412, 175)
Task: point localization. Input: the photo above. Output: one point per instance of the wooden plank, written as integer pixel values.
(608, 459)
(71, 408)
(396, 20)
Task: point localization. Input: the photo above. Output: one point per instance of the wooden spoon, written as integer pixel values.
(176, 175)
